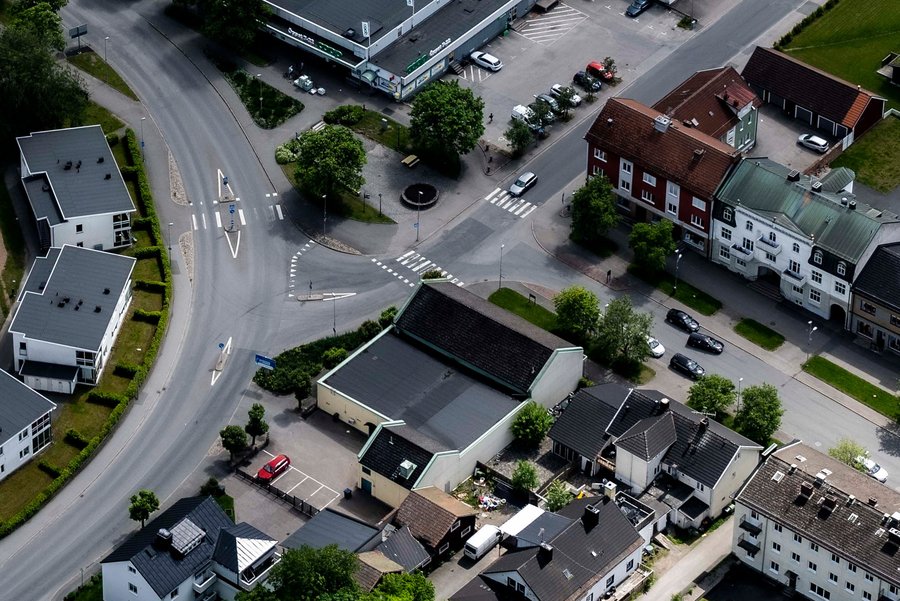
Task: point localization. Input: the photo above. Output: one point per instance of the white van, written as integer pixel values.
(482, 541)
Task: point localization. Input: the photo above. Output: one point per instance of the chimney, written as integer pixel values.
(793, 468)
(817, 186)
(664, 405)
(806, 490)
(793, 176)
(704, 424)
(661, 123)
(163, 539)
(609, 122)
(852, 206)
(844, 201)
(591, 516)
(609, 490)
(851, 500)
(698, 154)
(873, 502)
(545, 552)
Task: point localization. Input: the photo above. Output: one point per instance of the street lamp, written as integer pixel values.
(142, 132)
(379, 204)
(324, 213)
(500, 285)
(678, 254)
(259, 89)
(811, 329)
(105, 71)
(170, 239)
(418, 213)
(740, 382)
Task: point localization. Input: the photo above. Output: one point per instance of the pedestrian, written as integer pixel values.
(491, 118)
(301, 67)
(608, 275)
(291, 71)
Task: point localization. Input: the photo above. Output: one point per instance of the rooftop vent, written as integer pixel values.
(663, 405)
(97, 309)
(661, 123)
(852, 205)
(777, 476)
(873, 502)
(822, 476)
(698, 153)
(793, 176)
(545, 552)
(843, 201)
(793, 468)
(894, 535)
(817, 186)
(107, 176)
(163, 539)
(407, 468)
(609, 489)
(100, 160)
(609, 122)
(106, 291)
(806, 489)
(349, 33)
(851, 500)
(694, 122)
(67, 166)
(591, 516)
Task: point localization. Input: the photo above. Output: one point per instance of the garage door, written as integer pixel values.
(802, 114)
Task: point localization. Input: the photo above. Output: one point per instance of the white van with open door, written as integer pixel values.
(482, 541)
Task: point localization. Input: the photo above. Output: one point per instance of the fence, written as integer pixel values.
(297, 504)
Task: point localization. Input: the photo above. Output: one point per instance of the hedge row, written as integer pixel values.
(147, 316)
(155, 287)
(76, 439)
(148, 252)
(119, 402)
(142, 223)
(125, 370)
(50, 470)
(806, 22)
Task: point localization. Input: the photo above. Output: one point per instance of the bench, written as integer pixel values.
(411, 161)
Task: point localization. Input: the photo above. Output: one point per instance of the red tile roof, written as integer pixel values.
(430, 512)
(807, 86)
(712, 97)
(689, 157)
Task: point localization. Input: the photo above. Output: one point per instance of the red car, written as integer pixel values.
(598, 71)
(273, 468)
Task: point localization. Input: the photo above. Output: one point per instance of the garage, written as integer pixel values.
(50, 376)
(802, 114)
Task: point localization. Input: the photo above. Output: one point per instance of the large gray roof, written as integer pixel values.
(82, 276)
(402, 381)
(337, 17)
(582, 427)
(330, 527)
(77, 191)
(19, 406)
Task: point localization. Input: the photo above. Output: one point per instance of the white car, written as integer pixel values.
(872, 469)
(556, 90)
(488, 61)
(522, 183)
(656, 347)
(813, 143)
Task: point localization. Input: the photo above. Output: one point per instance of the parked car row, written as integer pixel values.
(696, 339)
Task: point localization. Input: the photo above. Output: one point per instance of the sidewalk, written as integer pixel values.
(709, 552)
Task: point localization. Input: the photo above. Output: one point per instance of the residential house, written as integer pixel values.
(838, 108)
(24, 424)
(875, 305)
(819, 527)
(659, 168)
(808, 236)
(718, 103)
(662, 451)
(438, 390)
(438, 520)
(75, 189)
(595, 551)
(372, 567)
(70, 310)
(190, 551)
(890, 68)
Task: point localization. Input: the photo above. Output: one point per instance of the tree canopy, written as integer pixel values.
(760, 414)
(308, 574)
(142, 505)
(622, 332)
(531, 425)
(577, 312)
(446, 119)
(847, 450)
(234, 23)
(593, 211)
(558, 496)
(256, 423)
(652, 244)
(524, 477)
(329, 160)
(519, 137)
(234, 439)
(42, 21)
(712, 393)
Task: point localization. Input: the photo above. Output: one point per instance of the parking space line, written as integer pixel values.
(280, 214)
(305, 478)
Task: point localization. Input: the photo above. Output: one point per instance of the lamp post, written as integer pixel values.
(379, 204)
(142, 132)
(418, 213)
(324, 213)
(259, 90)
(500, 285)
(170, 240)
(740, 382)
(678, 255)
(811, 329)
(105, 43)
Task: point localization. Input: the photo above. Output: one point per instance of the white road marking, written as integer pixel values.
(203, 217)
(218, 220)
(519, 210)
(241, 215)
(278, 210)
(236, 247)
(194, 221)
(489, 196)
(403, 256)
(525, 214)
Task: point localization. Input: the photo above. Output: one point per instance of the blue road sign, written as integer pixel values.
(221, 346)
(265, 362)
(231, 209)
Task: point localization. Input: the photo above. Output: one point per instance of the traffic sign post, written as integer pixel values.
(265, 362)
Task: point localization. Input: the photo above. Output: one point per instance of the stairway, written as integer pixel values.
(767, 289)
(456, 67)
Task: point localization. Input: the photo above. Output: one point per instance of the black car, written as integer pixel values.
(705, 343)
(587, 82)
(637, 7)
(680, 319)
(686, 365)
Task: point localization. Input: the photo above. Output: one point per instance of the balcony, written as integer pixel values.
(254, 574)
(769, 246)
(794, 278)
(751, 526)
(202, 583)
(743, 252)
(749, 544)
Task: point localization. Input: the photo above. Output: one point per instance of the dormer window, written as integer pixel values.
(817, 257)
(727, 214)
(842, 268)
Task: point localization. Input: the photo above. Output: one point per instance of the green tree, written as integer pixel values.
(446, 119)
(403, 587)
(622, 332)
(531, 425)
(712, 393)
(519, 136)
(329, 160)
(593, 211)
(387, 316)
(42, 21)
(565, 100)
(558, 496)
(256, 425)
(23, 5)
(142, 505)
(847, 450)
(652, 244)
(577, 312)
(524, 477)
(234, 23)
(308, 574)
(432, 274)
(760, 414)
(234, 439)
(543, 114)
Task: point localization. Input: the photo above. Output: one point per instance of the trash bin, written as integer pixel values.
(348, 493)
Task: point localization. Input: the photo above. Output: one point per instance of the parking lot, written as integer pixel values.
(777, 139)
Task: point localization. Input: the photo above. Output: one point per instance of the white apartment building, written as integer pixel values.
(24, 423)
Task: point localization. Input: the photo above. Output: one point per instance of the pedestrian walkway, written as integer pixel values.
(712, 549)
(516, 205)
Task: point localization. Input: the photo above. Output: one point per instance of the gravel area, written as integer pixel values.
(179, 196)
(544, 460)
(186, 244)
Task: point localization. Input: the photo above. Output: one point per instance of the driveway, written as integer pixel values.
(777, 139)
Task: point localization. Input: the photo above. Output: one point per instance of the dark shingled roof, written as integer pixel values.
(54, 371)
(484, 589)
(774, 491)
(649, 437)
(161, 569)
(240, 545)
(586, 553)
(582, 426)
(626, 128)
(479, 334)
(330, 527)
(545, 527)
(880, 278)
(430, 512)
(19, 406)
(372, 565)
(401, 547)
(807, 86)
(395, 444)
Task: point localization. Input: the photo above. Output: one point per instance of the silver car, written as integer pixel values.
(522, 183)
(488, 61)
(556, 90)
(813, 143)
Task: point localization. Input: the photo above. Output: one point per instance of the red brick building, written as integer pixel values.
(658, 167)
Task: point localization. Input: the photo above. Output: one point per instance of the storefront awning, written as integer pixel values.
(369, 75)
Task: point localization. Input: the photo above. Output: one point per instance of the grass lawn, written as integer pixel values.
(694, 298)
(850, 40)
(79, 414)
(94, 113)
(876, 156)
(226, 502)
(143, 240)
(514, 302)
(863, 391)
(27, 482)
(759, 334)
(350, 205)
(395, 136)
(90, 62)
(148, 301)
(147, 269)
(14, 270)
(268, 106)
(132, 343)
(91, 591)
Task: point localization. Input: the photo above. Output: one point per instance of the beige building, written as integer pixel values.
(875, 304)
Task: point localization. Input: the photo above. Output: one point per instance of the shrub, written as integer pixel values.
(531, 425)
(112, 139)
(125, 370)
(348, 114)
(147, 252)
(286, 153)
(147, 316)
(50, 470)
(432, 274)
(302, 388)
(524, 478)
(333, 356)
(76, 439)
(107, 399)
(585, 382)
(212, 488)
(387, 316)
(370, 329)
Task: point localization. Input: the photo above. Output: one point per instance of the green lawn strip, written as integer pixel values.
(91, 63)
(759, 334)
(91, 591)
(395, 135)
(14, 269)
(146, 269)
(20, 487)
(268, 106)
(694, 298)
(862, 390)
(132, 343)
(147, 301)
(226, 502)
(96, 114)
(350, 205)
(79, 414)
(875, 158)
(514, 302)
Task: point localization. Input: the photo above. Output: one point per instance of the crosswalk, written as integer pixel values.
(511, 204)
(416, 263)
(223, 218)
(548, 27)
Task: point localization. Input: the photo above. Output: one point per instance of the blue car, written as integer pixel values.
(637, 7)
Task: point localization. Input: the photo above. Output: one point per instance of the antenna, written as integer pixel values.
(706, 413)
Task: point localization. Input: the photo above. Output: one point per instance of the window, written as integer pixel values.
(812, 566)
(23, 434)
(455, 526)
(630, 565)
(740, 262)
(773, 566)
(772, 237)
(813, 547)
(626, 166)
(648, 196)
(625, 185)
(749, 225)
(850, 586)
(816, 276)
(700, 487)
(465, 531)
(777, 528)
(833, 577)
(672, 207)
(840, 288)
(776, 547)
(132, 588)
(600, 155)
(727, 214)
(610, 581)
(748, 244)
(511, 583)
(794, 266)
(795, 557)
(366, 471)
(444, 548)
(815, 296)
(79, 228)
(699, 204)
(817, 257)
(696, 220)
(819, 591)
(797, 289)
(23, 453)
(842, 268)
(770, 257)
(851, 567)
(895, 320)
(649, 179)
(672, 189)
(132, 570)
(796, 247)
(726, 233)
(80, 244)
(173, 594)
(835, 558)
(725, 253)
(597, 170)
(867, 595)
(590, 597)
(867, 307)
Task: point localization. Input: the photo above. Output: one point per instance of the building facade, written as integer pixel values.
(875, 306)
(25, 418)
